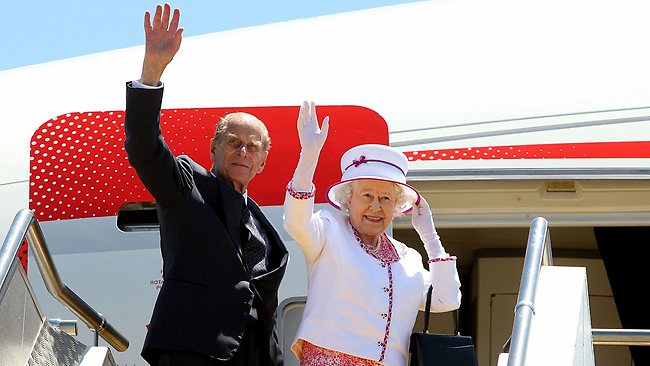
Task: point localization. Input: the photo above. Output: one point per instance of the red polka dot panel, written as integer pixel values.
(79, 169)
(585, 150)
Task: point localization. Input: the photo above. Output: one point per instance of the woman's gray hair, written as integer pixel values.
(343, 193)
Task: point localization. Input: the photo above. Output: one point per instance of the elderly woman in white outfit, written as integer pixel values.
(365, 287)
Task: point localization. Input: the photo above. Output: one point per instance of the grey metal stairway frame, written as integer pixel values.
(539, 253)
(26, 226)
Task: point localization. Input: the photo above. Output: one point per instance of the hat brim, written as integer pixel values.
(412, 195)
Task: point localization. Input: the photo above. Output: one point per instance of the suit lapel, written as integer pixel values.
(278, 250)
(261, 218)
(226, 202)
(232, 204)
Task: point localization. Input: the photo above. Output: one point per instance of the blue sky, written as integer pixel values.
(40, 31)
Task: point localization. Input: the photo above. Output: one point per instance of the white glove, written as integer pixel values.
(422, 221)
(312, 139)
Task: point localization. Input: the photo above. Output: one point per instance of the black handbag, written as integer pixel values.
(429, 349)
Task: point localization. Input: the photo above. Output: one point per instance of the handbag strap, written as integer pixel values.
(427, 312)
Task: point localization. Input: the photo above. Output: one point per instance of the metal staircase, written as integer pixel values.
(27, 337)
(544, 314)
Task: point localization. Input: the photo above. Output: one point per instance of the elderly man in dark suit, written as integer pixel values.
(222, 259)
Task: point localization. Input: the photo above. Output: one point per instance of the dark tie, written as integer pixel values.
(252, 247)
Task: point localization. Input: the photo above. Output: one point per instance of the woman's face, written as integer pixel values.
(371, 207)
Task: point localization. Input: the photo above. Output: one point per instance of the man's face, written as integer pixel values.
(238, 154)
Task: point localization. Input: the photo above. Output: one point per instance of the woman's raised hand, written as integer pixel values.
(312, 137)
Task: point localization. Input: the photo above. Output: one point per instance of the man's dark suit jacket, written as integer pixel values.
(204, 303)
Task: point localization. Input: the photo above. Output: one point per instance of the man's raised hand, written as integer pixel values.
(162, 41)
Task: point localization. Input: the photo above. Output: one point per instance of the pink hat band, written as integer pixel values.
(363, 160)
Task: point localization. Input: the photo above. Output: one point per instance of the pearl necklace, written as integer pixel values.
(367, 247)
(384, 251)
(370, 248)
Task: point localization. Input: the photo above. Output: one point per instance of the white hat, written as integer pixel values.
(377, 162)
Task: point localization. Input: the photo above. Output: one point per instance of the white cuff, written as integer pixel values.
(138, 85)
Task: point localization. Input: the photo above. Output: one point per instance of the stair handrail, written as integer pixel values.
(26, 226)
(621, 337)
(538, 253)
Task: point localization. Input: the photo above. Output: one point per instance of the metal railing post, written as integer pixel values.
(538, 253)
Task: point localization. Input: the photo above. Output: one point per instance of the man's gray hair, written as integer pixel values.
(225, 121)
